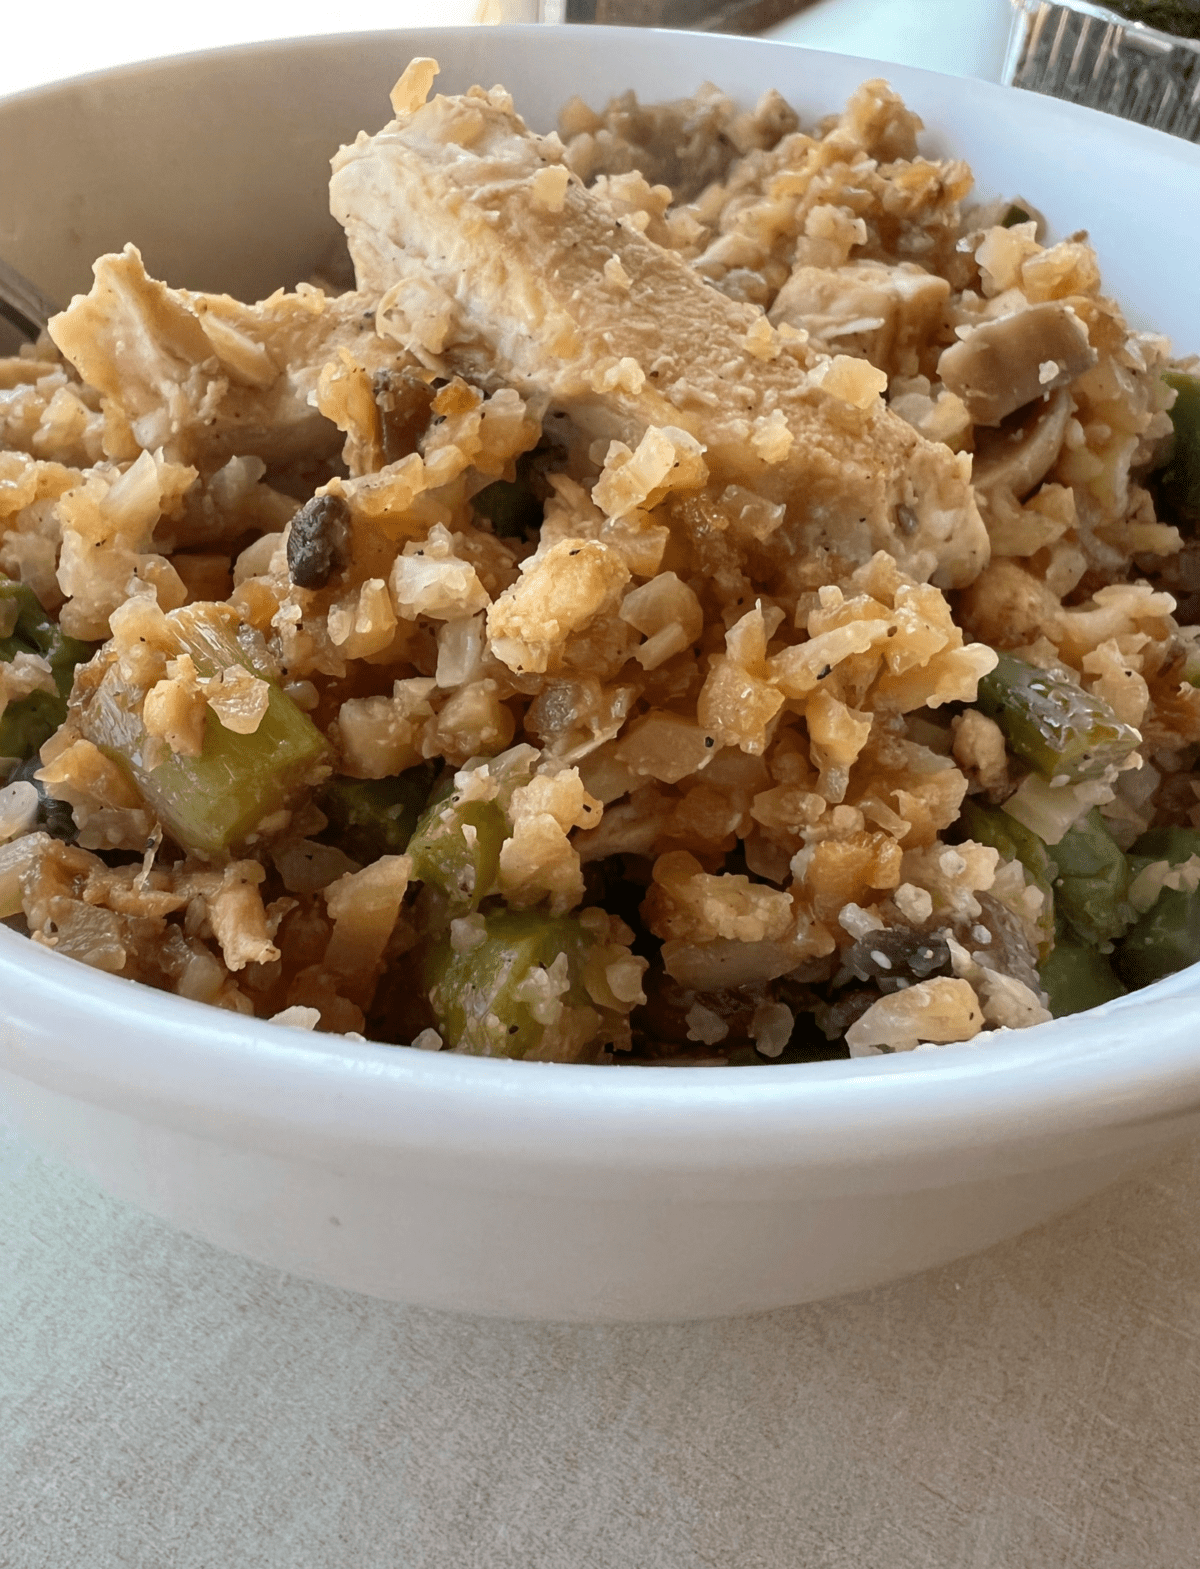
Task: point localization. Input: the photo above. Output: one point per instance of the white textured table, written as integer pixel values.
(165, 1406)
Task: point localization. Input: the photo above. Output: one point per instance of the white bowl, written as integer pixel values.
(526, 1188)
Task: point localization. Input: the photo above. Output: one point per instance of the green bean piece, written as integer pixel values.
(988, 825)
(1092, 881)
(27, 724)
(373, 817)
(502, 998)
(1076, 978)
(221, 798)
(1060, 730)
(1177, 482)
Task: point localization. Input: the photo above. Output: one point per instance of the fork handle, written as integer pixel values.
(22, 303)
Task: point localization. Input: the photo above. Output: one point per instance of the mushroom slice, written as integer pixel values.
(1022, 451)
(1003, 364)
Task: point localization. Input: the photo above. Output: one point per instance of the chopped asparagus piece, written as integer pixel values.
(456, 847)
(373, 817)
(1076, 978)
(1167, 936)
(1161, 852)
(514, 506)
(1165, 939)
(1173, 845)
(220, 798)
(217, 800)
(1092, 882)
(1015, 842)
(517, 990)
(1178, 480)
(1060, 730)
(28, 723)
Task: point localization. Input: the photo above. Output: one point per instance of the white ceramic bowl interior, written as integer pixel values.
(537, 1189)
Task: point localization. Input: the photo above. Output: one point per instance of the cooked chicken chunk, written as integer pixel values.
(203, 375)
(883, 313)
(490, 259)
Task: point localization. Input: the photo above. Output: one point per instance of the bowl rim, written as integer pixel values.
(230, 1072)
(98, 1037)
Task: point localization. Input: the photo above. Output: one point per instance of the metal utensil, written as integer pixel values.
(23, 304)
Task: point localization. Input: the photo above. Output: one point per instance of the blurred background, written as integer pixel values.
(962, 37)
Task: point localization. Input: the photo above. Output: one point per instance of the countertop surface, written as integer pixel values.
(166, 1406)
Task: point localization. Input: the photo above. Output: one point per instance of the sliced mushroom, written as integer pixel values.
(404, 399)
(1022, 451)
(318, 541)
(1006, 363)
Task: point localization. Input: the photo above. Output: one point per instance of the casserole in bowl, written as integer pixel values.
(532, 1188)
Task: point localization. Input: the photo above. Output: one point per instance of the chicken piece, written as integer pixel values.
(489, 259)
(883, 313)
(204, 376)
(1004, 364)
